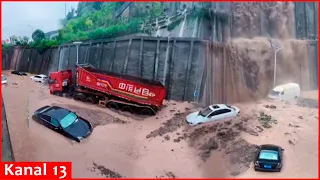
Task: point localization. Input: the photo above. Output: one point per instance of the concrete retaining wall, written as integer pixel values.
(179, 63)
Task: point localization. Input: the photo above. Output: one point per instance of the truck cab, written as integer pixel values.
(60, 82)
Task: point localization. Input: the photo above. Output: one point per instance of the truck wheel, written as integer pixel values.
(127, 108)
(79, 97)
(57, 93)
(146, 111)
(91, 99)
(113, 105)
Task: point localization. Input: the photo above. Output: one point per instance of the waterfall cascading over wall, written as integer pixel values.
(250, 19)
(243, 70)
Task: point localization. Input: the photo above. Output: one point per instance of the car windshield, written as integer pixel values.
(274, 93)
(205, 112)
(3, 78)
(268, 155)
(68, 120)
(64, 116)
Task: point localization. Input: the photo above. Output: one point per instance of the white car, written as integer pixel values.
(3, 80)
(39, 78)
(212, 113)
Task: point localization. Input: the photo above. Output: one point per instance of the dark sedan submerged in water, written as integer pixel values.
(64, 122)
(269, 158)
(19, 73)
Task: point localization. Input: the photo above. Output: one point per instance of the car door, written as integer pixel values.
(37, 78)
(219, 114)
(46, 120)
(44, 78)
(228, 113)
(214, 115)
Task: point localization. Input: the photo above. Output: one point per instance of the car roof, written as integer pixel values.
(43, 109)
(41, 75)
(285, 86)
(269, 147)
(217, 106)
(53, 111)
(55, 108)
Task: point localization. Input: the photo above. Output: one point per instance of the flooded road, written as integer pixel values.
(120, 146)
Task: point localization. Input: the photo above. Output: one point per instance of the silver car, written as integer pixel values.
(212, 113)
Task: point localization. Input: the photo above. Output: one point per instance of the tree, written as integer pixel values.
(38, 35)
(97, 5)
(22, 41)
(13, 40)
(71, 14)
(80, 7)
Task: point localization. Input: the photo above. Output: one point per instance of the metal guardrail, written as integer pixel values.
(7, 153)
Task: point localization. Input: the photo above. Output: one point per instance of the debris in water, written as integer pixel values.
(292, 125)
(266, 120)
(106, 172)
(169, 126)
(291, 142)
(167, 137)
(167, 175)
(270, 106)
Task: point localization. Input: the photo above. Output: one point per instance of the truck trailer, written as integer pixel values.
(109, 89)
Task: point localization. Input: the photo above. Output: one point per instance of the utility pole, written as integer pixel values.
(65, 9)
(276, 48)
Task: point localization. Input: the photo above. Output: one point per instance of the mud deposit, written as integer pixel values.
(95, 117)
(105, 171)
(224, 136)
(169, 126)
(242, 154)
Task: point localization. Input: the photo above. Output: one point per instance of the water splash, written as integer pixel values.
(183, 23)
(158, 32)
(158, 28)
(195, 28)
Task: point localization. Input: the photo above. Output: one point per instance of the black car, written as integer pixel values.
(269, 158)
(19, 73)
(64, 122)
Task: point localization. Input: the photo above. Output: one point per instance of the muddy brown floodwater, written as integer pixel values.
(124, 145)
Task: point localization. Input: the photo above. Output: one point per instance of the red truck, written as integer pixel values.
(108, 89)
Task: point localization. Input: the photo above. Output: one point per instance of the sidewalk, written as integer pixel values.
(7, 154)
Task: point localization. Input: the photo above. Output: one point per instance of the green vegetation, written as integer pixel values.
(5, 46)
(95, 20)
(38, 35)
